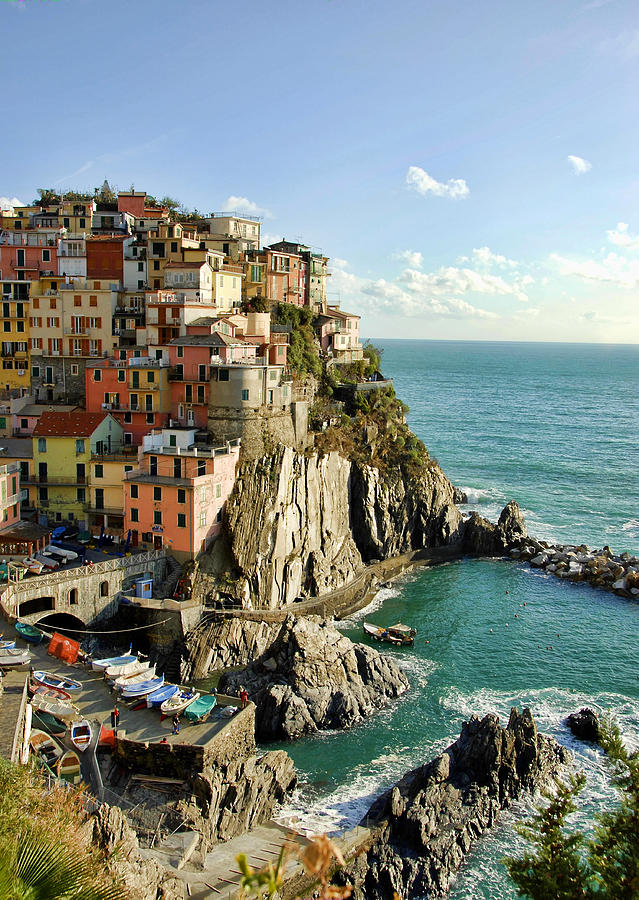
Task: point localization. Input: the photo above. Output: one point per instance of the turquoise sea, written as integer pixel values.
(553, 426)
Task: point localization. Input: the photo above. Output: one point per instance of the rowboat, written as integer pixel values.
(57, 682)
(69, 767)
(44, 746)
(157, 698)
(58, 706)
(125, 668)
(13, 656)
(99, 665)
(200, 708)
(142, 688)
(47, 561)
(33, 565)
(29, 632)
(179, 702)
(7, 645)
(392, 634)
(46, 722)
(51, 693)
(81, 734)
(145, 672)
(61, 551)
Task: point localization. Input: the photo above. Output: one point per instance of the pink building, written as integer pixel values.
(28, 255)
(339, 335)
(176, 496)
(10, 495)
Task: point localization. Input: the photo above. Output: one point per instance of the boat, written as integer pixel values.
(47, 561)
(33, 565)
(179, 702)
(81, 734)
(46, 722)
(122, 668)
(29, 632)
(157, 698)
(58, 706)
(142, 688)
(68, 767)
(44, 746)
(100, 665)
(143, 674)
(51, 693)
(15, 656)
(200, 708)
(392, 634)
(57, 682)
(61, 551)
(7, 645)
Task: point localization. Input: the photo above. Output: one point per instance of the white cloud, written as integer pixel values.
(390, 297)
(424, 183)
(338, 263)
(413, 257)
(580, 166)
(484, 256)
(452, 280)
(244, 205)
(622, 237)
(598, 319)
(613, 269)
(7, 204)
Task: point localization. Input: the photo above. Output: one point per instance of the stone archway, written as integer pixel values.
(35, 605)
(70, 626)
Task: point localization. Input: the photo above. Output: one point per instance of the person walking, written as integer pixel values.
(115, 719)
(176, 724)
(244, 698)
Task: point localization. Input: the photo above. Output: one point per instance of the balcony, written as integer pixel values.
(105, 510)
(9, 468)
(124, 454)
(69, 480)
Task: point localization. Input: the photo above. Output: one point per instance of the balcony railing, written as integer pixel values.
(53, 480)
(9, 468)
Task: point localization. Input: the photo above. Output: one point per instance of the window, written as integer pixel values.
(128, 436)
(174, 247)
(52, 303)
(140, 267)
(121, 375)
(181, 495)
(43, 495)
(134, 491)
(128, 418)
(46, 256)
(80, 495)
(156, 265)
(83, 223)
(201, 467)
(35, 303)
(133, 514)
(181, 520)
(203, 494)
(150, 377)
(157, 517)
(99, 471)
(180, 352)
(273, 374)
(218, 490)
(97, 375)
(24, 423)
(245, 394)
(79, 446)
(104, 588)
(75, 369)
(128, 468)
(93, 300)
(157, 493)
(172, 440)
(42, 445)
(223, 375)
(150, 418)
(77, 300)
(35, 371)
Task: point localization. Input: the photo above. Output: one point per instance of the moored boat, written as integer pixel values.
(157, 698)
(57, 682)
(142, 688)
(81, 734)
(200, 708)
(391, 634)
(7, 645)
(68, 767)
(122, 668)
(14, 656)
(404, 632)
(29, 632)
(144, 673)
(99, 665)
(45, 746)
(46, 722)
(179, 702)
(58, 706)
(51, 693)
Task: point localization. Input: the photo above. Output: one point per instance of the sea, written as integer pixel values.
(555, 427)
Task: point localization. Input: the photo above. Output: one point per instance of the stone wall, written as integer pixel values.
(260, 430)
(63, 385)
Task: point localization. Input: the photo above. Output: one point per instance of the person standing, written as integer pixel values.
(244, 698)
(115, 719)
(176, 724)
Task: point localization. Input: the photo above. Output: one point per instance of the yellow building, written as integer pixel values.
(76, 216)
(14, 331)
(20, 451)
(63, 445)
(165, 244)
(106, 491)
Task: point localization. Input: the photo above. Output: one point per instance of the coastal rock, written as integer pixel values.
(484, 538)
(585, 725)
(321, 680)
(225, 644)
(145, 878)
(423, 827)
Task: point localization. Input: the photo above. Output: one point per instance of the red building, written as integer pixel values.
(27, 255)
(105, 256)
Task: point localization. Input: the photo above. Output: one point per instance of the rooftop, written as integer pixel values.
(215, 339)
(16, 448)
(68, 424)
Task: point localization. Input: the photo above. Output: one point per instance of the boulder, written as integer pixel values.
(484, 538)
(323, 680)
(585, 725)
(424, 826)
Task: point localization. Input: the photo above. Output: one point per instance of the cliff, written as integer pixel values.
(301, 525)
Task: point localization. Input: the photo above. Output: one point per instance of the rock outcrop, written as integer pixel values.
(484, 538)
(302, 525)
(600, 568)
(313, 677)
(225, 644)
(585, 725)
(424, 826)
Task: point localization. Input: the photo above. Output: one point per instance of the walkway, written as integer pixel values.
(10, 703)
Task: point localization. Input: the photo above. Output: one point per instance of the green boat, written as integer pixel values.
(46, 722)
(29, 633)
(200, 708)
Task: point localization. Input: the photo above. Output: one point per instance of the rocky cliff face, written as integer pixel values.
(424, 826)
(484, 538)
(313, 677)
(303, 525)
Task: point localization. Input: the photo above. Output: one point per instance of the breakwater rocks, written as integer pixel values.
(302, 525)
(484, 538)
(313, 677)
(600, 568)
(424, 826)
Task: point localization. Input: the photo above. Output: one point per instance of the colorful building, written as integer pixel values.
(106, 493)
(175, 497)
(63, 444)
(14, 334)
(338, 333)
(10, 494)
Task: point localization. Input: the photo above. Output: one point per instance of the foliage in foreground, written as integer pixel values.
(44, 852)
(567, 866)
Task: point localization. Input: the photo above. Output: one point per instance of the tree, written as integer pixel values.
(567, 866)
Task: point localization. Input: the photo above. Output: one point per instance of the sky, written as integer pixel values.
(469, 167)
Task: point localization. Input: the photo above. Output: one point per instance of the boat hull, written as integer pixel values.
(68, 767)
(201, 708)
(19, 658)
(157, 698)
(178, 702)
(141, 690)
(100, 665)
(81, 733)
(29, 633)
(56, 682)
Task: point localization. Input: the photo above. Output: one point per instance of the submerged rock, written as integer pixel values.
(424, 826)
(585, 725)
(312, 677)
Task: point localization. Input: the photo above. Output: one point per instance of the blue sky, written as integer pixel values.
(469, 167)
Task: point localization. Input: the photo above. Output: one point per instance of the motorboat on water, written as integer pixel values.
(392, 634)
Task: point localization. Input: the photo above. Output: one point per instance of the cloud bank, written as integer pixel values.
(424, 184)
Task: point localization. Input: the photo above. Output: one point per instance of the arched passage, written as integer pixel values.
(36, 605)
(70, 625)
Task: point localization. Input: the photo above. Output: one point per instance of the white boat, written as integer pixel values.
(45, 746)
(57, 706)
(81, 734)
(61, 551)
(381, 634)
(33, 565)
(178, 702)
(57, 682)
(144, 672)
(14, 656)
(99, 665)
(123, 668)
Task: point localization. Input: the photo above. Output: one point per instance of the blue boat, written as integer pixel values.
(7, 645)
(29, 633)
(101, 664)
(142, 688)
(158, 697)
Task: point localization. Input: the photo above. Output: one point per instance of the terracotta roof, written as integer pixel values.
(333, 313)
(107, 237)
(68, 424)
(216, 339)
(185, 265)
